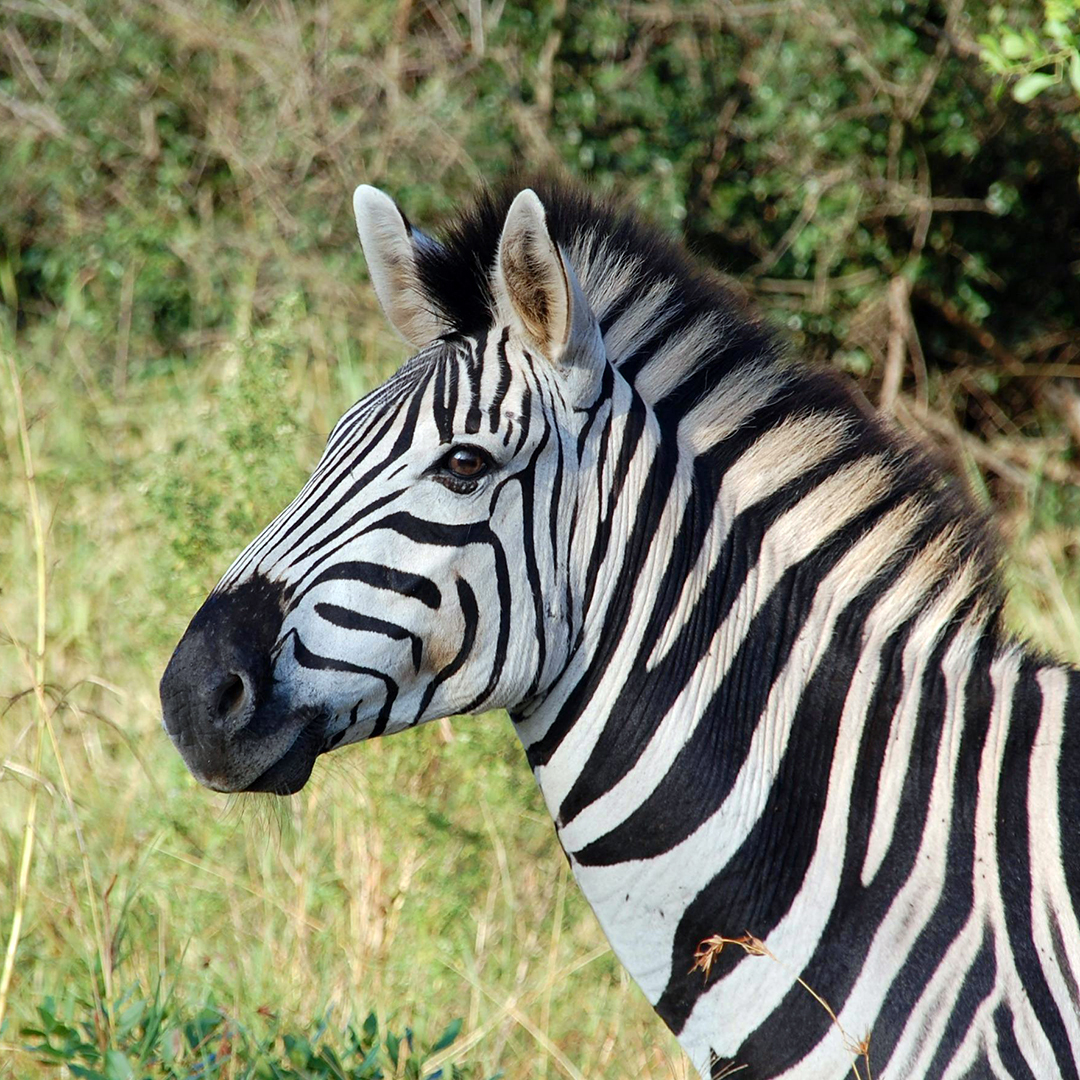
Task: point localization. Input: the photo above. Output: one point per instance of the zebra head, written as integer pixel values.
(426, 567)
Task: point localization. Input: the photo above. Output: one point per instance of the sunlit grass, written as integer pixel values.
(414, 877)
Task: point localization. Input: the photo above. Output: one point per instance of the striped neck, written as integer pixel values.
(782, 581)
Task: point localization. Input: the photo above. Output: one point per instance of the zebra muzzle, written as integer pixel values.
(218, 698)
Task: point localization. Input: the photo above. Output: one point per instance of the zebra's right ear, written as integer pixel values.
(535, 282)
(390, 247)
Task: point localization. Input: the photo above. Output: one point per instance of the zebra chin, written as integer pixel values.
(292, 770)
(240, 765)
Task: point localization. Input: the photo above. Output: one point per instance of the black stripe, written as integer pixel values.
(1014, 862)
(444, 416)
(525, 419)
(452, 389)
(401, 444)
(1012, 1056)
(978, 985)
(471, 614)
(474, 368)
(1068, 781)
(322, 545)
(607, 384)
(526, 480)
(665, 325)
(555, 504)
(503, 385)
(633, 429)
(616, 310)
(443, 535)
(348, 619)
(379, 577)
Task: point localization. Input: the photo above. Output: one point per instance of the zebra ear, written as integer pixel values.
(390, 247)
(535, 281)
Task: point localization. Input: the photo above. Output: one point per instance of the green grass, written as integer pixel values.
(416, 878)
(152, 1036)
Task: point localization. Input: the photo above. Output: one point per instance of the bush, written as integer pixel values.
(148, 1038)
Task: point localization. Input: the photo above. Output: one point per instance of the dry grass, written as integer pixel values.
(418, 877)
(705, 956)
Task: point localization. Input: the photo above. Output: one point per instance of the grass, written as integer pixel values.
(417, 878)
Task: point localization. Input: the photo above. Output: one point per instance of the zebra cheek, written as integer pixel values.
(440, 651)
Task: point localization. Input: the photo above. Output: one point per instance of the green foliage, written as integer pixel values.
(148, 1038)
(232, 469)
(816, 156)
(1021, 55)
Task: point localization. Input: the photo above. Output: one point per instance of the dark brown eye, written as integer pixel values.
(467, 462)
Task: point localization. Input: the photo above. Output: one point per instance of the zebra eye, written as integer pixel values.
(467, 462)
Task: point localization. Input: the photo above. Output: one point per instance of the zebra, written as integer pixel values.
(750, 639)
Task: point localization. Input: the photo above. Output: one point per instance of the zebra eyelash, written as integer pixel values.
(443, 474)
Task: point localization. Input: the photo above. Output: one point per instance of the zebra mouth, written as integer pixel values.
(291, 771)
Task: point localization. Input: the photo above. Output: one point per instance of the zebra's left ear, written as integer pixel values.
(534, 282)
(391, 246)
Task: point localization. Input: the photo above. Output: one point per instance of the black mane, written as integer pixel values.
(456, 272)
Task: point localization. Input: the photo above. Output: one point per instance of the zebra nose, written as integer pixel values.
(209, 686)
(206, 700)
(231, 699)
(218, 676)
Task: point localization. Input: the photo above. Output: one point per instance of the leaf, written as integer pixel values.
(1030, 86)
(990, 53)
(393, 1046)
(1059, 31)
(370, 1027)
(130, 1017)
(171, 1044)
(453, 1030)
(1014, 46)
(117, 1066)
(368, 1065)
(1074, 70)
(331, 1060)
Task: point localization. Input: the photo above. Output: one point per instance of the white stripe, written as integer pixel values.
(670, 364)
(639, 322)
(1049, 891)
(761, 471)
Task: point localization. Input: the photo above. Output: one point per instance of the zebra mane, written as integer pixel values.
(697, 354)
(630, 272)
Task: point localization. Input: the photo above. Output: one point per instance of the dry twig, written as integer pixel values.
(705, 956)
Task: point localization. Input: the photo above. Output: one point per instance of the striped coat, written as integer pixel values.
(750, 640)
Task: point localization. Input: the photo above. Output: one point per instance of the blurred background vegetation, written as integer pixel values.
(183, 314)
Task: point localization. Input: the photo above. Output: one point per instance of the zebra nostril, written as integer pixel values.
(230, 696)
